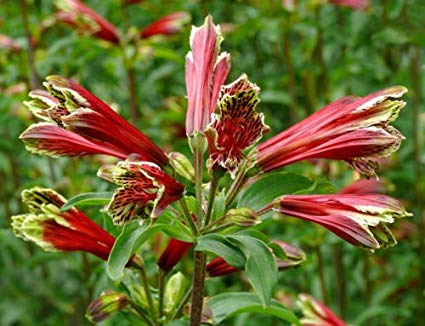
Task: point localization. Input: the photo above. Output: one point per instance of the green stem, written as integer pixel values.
(235, 187)
(198, 284)
(221, 227)
(323, 81)
(340, 289)
(188, 216)
(140, 313)
(415, 73)
(34, 80)
(181, 305)
(145, 283)
(208, 227)
(161, 287)
(292, 83)
(366, 278)
(322, 279)
(211, 198)
(198, 164)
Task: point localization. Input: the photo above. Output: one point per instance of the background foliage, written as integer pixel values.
(301, 60)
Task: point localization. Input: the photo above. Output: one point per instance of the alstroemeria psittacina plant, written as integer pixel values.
(174, 196)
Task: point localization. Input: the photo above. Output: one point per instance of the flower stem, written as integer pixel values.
(235, 187)
(34, 80)
(198, 160)
(198, 283)
(140, 313)
(188, 217)
(145, 283)
(211, 198)
(287, 57)
(340, 289)
(417, 126)
(179, 309)
(322, 279)
(161, 286)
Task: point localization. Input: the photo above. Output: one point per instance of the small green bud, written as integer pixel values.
(243, 216)
(138, 295)
(108, 303)
(182, 165)
(198, 142)
(174, 291)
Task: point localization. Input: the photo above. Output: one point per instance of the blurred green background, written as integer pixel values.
(301, 59)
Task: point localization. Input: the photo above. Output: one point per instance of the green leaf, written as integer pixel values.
(89, 198)
(260, 266)
(226, 305)
(175, 229)
(270, 186)
(131, 238)
(220, 246)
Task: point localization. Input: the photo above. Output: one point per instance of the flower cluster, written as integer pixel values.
(222, 119)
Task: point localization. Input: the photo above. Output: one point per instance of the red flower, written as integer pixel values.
(167, 25)
(352, 129)
(77, 15)
(360, 219)
(206, 72)
(316, 313)
(294, 256)
(175, 251)
(54, 230)
(78, 123)
(144, 189)
(236, 126)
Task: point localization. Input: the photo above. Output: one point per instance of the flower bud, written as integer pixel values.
(138, 296)
(182, 165)
(174, 291)
(243, 216)
(108, 303)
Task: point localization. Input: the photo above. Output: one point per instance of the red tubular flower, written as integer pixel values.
(294, 256)
(83, 124)
(219, 267)
(354, 4)
(352, 129)
(206, 72)
(316, 313)
(359, 219)
(175, 251)
(144, 189)
(236, 126)
(54, 230)
(167, 25)
(77, 15)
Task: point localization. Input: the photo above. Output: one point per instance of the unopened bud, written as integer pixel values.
(182, 165)
(198, 142)
(138, 296)
(108, 303)
(243, 216)
(174, 291)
